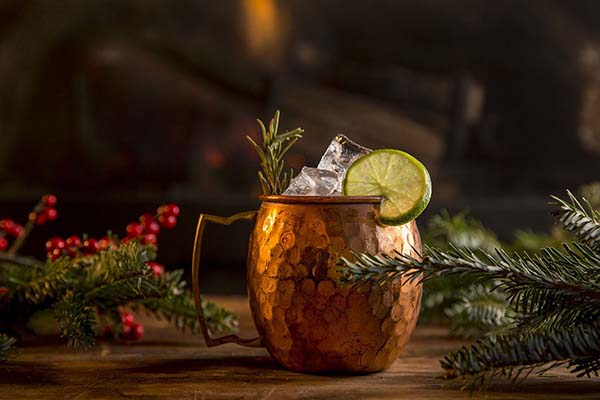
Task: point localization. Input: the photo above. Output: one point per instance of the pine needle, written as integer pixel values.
(546, 304)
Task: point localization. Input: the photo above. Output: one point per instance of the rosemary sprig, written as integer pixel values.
(272, 178)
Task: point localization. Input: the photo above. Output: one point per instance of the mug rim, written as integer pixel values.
(287, 199)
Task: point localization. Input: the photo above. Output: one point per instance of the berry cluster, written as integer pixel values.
(131, 330)
(11, 228)
(45, 211)
(149, 225)
(73, 246)
(146, 231)
(157, 269)
(8, 227)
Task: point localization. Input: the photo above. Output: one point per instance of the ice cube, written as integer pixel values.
(340, 154)
(314, 182)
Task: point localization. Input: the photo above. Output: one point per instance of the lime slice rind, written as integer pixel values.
(401, 180)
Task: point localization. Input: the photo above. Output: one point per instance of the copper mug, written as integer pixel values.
(308, 321)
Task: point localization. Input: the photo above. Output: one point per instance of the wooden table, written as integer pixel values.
(170, 365)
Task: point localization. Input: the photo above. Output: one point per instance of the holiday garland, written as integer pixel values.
(540, 309)
(87, 283)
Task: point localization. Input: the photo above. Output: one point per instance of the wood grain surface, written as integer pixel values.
(171, 365)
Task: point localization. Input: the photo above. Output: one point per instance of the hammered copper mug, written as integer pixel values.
(308, 321)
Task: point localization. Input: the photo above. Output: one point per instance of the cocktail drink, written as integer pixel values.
(307, 320)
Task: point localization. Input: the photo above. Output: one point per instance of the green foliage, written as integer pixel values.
(443, 298)
(461, 231)
(547, 305)
(515, 353)
(86, 289)
(177, 307)
(582, 221)
(6, 346)
(591, 192)
(77, 320)
(271, 153)
(479, 310)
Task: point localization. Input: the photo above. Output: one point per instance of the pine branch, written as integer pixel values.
(181, 313)
(505, 353)
(591, 192)
(19, 260)
(6, 346)
(77, 320)
(176, 305)
(43, 283)
(517, 273)
(271, 153)
(554, 299)
(461, 231)
(480, 312)
(122, 291)
(583, 222)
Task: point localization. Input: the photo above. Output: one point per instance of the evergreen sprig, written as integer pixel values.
(273, 179)
(445, 300)
(83, 289)
(553, 298)
(582, 221)
(460, 230)
(478, 310)
(7, 344)
(176, 305)
(514, 352)
(76, 317)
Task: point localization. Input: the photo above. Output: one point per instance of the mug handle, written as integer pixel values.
(202, 221)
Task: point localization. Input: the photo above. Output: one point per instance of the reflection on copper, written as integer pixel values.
(307, 321)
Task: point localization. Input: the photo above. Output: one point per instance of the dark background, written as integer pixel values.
(120, 106)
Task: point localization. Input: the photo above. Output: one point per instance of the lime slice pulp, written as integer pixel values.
(401, 180)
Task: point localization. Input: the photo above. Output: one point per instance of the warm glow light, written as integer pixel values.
(263, 31)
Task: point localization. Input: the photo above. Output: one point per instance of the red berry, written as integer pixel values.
(72, 245)
(105, 243)
(73, 241)
(126, 331)
(156, 268)
(7, 225)
(149, 238)
(126, 239)
(173, 209)
(49, 200)
(17, 230)
(127, 319)
(137, 331)
(51, 213)
(55, 243)
(169, 209)
(3, 243)
(167, 221)
(91, 246)
(41, 218)
(134, 229)
(151, 227)
(146, 218)
(55, 254)
(3, 290)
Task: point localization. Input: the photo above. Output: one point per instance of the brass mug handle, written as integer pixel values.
(202, 221)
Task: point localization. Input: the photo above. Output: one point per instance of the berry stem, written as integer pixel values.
(20, 240)
(18, 260)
